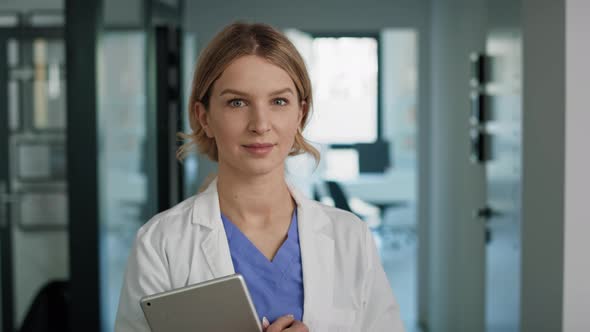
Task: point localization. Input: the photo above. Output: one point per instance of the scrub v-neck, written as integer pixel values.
(276, 285)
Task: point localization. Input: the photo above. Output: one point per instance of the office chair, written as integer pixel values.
(365, 211)
(49, 311)
(394, 236)
(338, 195)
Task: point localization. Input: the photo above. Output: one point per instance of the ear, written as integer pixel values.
(302, 111)
(203, 117)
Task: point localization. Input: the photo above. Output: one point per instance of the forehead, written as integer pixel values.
(253, 75)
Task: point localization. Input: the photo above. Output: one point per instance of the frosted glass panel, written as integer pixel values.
(38, 161)
(47, 20)
(123, 13)
(43, 210)
(13, 105)
(8, 20)
(12, 52)
(34, 161)
(36, 118)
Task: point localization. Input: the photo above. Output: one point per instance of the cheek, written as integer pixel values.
(227, 137)
(288, 127)
(290, 121)
(289, 133)
(224, 127)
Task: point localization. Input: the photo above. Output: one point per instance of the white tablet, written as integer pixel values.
(222, 304)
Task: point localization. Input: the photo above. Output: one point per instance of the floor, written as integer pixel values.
(396, 240)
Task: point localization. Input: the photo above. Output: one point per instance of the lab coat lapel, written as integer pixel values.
(316, 245)
(214, 244)
(216, 251)
(317, 258)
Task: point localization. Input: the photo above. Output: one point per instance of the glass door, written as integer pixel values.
(33, 188)
(503, 123)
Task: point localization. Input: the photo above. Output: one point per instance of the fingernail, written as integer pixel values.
(290, 316)
(265, 322)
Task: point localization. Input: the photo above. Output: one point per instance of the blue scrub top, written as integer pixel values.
(276, 286)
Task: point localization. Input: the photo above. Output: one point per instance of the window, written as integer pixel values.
(365, 98)
(345, 82)
(345, 79)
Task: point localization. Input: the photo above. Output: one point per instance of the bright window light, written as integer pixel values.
(342, 164)
(344, 78)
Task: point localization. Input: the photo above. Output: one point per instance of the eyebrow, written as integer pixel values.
(239, 93)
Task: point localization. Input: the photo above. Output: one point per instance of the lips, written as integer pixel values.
(259, 145)
(259, 149)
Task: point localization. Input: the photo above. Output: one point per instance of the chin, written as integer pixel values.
(260, 167)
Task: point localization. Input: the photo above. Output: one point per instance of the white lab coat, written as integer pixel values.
(345, 287)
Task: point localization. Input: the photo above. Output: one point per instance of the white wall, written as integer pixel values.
(576, 279)
(555, 281)
(543, 164)
(398, 87)
(207, 17)
(125, 13)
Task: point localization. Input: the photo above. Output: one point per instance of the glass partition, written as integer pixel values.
(122, 163)
(36, 108)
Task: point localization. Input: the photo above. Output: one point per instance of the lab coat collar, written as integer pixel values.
(208, 212)
(315, 239)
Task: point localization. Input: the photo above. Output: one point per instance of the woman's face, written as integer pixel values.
(253, 114)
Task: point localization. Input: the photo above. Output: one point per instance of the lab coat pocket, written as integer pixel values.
(335, 320)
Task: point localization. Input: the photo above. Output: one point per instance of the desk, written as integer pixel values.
(387, 189)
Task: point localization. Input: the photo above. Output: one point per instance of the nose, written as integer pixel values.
(259, 120)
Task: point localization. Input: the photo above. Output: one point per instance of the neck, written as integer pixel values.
(255, 200)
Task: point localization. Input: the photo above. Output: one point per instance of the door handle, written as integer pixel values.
(485, 213)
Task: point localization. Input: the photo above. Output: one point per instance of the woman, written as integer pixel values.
(307, 266)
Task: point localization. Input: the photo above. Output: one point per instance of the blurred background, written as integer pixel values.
(442, 124)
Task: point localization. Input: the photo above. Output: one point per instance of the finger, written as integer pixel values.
(297, 326)
(281, 323)
(265, 323)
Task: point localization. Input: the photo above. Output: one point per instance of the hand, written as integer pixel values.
(286, 323)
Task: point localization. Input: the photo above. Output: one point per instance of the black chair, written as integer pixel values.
(316, 194)
(50, 309)
(339, 197)
(391, 234)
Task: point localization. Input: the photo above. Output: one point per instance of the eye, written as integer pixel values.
(236, 103)
(280, 102)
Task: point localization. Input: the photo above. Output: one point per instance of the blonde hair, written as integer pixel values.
(234, 41)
